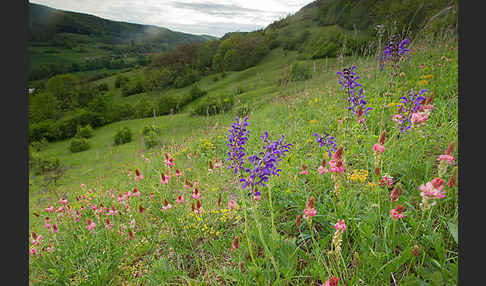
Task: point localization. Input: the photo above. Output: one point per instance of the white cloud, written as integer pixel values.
(212, 17)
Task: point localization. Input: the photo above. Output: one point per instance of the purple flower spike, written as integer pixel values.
(237, 140)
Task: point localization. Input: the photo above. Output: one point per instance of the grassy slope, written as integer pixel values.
(297, 111)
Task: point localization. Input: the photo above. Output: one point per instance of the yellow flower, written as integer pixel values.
(428, 76)
(313, 121)
(422, 82)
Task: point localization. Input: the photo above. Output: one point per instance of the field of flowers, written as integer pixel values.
(352, 183)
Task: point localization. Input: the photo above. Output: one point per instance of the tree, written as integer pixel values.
(43, 106)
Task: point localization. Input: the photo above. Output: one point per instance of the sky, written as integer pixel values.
(209, 17)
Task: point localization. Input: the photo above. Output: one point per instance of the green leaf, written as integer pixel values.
(453, 230)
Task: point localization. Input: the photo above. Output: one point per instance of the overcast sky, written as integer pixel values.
(210, 17)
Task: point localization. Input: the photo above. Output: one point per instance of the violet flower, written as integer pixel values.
(265, 162)
(237, 140)
(327, 141)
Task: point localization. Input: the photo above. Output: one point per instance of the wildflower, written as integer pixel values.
(48, 222)
(340, 226)
(177, 173)
(218, 163)
(237, 139)
(348, 78)
(90, 224)
(386, 181)
(180, 199)
(152, 195)
(257, 195)
(395, 194)
(232, 204)
(33, 251)
(60, 210)
(309, 210)
(236, 244)
(445, 159)
(378, 148)
(36, 238)
(82, 186)
(409, 114)
(55, 228)
(166, 205)
(431, 191)
(169, 160)
(141, 209)
(395, 49)
(298, 220)
(322, 168)
(164, 179)
(265, 162)
(416, 250)
(304, 170)
(327, 141)
(63, 201)
(108, 224)
(138, 176)
(452, 181)
(196, 195)
(187, 185)
(198, 208)
(130, 234)
(136, 193)
(397, 212)
(50, 248)
(219, 200)
(333, 281)
(50, 209)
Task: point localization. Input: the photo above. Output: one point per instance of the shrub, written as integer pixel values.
(150, 139)
(214, 105)
(79, 145)
(130, 90)
(39, 145)
(189, 76)
(168, 104)
(103, 87)
(85, 132)
(151, 128)
(299, 72)
(122, 136)
(40, 164)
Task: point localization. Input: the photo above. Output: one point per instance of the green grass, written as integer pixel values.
(173, 247)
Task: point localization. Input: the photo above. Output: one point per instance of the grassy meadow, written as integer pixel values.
(113, 227)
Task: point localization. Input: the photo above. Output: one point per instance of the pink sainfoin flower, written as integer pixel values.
(169, 160)
(82, 186)
(397, 212)
(446, 159)
(55, 228)
(333, 281)
(90, 224)
(138, 176)
(386, 181)
(218, 163)
(196, 195)
(304, 170)
(180, 199)
(340, 225)
(257, 196)
(322, 168)
(378, 148)
(108, 224)
(177, 173)
(187, 185)
(419, 119)
(49, 209)
(166, 205)
(60, 209)
(336, 163)
(136, 193)
(232, 204)
(309, 210)
(36, 238)
(48, 223)
(164, 179)
(431, 192)
(63, 201)
(199, 208)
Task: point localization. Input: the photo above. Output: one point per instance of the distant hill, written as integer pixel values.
(63, 41)
(45, 23)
